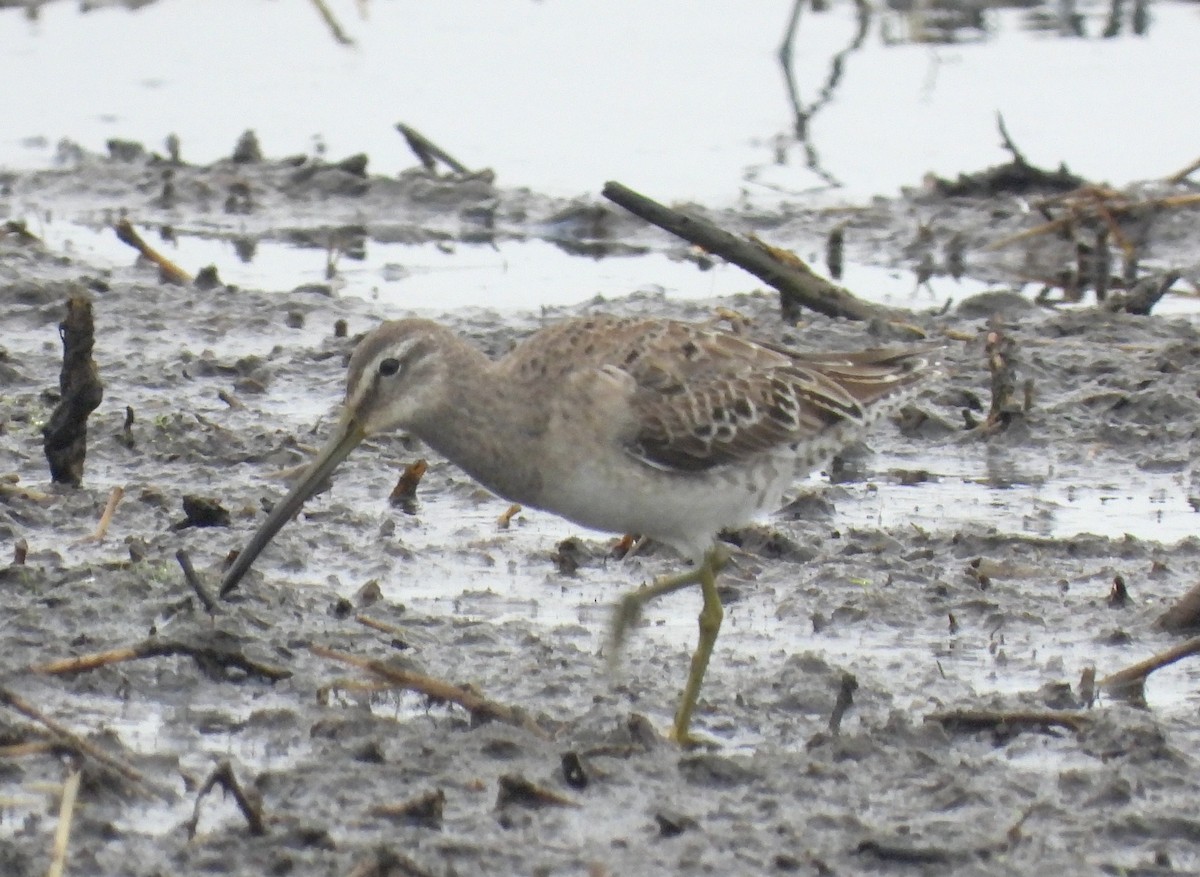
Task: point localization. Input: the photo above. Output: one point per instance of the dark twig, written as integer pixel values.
(835, 250)
(189, 573)
(1100, 264)
(429, 153)
(331, 22)
(1118, 595)
(223, 775)
(798, 285)
(1007, 142)
(1087, 686)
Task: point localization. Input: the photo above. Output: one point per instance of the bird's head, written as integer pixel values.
(397, 376)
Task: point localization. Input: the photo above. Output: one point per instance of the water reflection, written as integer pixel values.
(801, 113)
(901, 22)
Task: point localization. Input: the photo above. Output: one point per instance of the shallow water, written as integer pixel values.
(671, 98)
(506, 275)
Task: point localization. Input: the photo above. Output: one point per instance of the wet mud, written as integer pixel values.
(211, 394)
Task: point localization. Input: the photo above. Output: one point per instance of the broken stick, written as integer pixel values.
(1130, 684)
(429, 153)
(1184, 615)
(799, 286)
(480, 708)
(995, 720)
(1183, 174)
(404, 494)
(207, 657)
(66, 814)
(335, 28)
(110, 508)
(193, 580)
(223, 775)
(168, 270)
(64, 438)
(69, 738)
(1001, 350)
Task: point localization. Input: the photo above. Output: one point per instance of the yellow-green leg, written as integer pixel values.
(630, 608)
(710, 625)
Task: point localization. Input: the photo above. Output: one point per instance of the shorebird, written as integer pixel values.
(666, 429)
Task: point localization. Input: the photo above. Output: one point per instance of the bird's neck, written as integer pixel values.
(485, 425)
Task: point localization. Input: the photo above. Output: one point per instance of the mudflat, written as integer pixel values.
(897, 687)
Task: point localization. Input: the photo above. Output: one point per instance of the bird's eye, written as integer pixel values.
(389, 367)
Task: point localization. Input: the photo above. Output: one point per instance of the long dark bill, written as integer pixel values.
(348, 436)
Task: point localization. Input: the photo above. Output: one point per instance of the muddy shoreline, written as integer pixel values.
(815, 593)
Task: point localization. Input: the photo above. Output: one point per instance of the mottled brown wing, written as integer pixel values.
(705, 398)
(675, 371)
(590, 342)
(754, 398)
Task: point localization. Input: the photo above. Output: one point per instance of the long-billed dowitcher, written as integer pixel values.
(631, 425)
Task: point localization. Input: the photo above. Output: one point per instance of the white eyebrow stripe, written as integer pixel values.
(370, 374)
(397, 352)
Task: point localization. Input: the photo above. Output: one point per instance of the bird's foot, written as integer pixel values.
(686, 738)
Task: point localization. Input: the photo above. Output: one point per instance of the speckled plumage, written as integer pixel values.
(663, 428)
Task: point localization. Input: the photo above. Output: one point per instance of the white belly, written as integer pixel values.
(682, 509)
